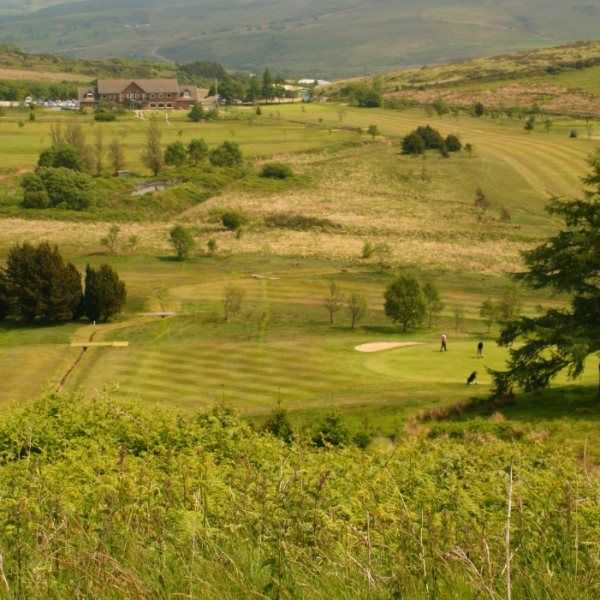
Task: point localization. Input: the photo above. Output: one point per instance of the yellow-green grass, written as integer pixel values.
(549, 163)
(20, 145)
(280, 348)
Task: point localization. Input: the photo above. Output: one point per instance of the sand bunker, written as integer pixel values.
(383, 346)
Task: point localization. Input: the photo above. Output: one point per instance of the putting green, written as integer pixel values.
(426, 365)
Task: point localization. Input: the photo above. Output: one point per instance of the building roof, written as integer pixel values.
(150, 86)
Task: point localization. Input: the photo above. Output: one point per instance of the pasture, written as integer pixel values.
(281, 347)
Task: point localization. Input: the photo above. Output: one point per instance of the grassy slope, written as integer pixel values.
(282, 347)
(562, 80)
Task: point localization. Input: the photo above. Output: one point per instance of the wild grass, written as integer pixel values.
(108, 500)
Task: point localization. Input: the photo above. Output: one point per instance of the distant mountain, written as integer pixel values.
(325, 38)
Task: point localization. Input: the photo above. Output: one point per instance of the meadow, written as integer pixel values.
(281, 348)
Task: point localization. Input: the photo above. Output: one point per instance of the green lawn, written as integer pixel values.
(281, 348)
(21, 141)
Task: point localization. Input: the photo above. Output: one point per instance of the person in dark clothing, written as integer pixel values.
(480, 350)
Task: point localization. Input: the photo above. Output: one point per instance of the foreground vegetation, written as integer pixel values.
(106, 500)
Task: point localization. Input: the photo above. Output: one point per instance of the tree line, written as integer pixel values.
(64, 177)
(38, 286)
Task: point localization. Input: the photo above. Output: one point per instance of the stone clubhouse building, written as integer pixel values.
(140, 94)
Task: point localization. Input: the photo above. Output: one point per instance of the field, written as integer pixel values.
(281, 348)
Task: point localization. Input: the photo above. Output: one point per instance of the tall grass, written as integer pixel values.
(105, 500)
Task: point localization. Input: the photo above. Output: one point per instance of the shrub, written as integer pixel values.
(233, 299)
(63, 156)
(227, 154)
(453, 143)
(232, 220)
(277, 171)
(278, 425)
(104, 116)
(197, 151)
(37, 199)
(175, 154)
(530, 123)
(368, 250)
(432, 137)
(413, 143)
(182, 241)
(332, 431)
(573, 133)
(212, 246)
(197, 113)
(51, 187)
(478, 109)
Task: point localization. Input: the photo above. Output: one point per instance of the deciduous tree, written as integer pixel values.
(405, 302)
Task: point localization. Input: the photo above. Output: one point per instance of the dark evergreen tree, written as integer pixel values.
(42, 287)
(63, 156)
(569, 263)
(105, 294)
(453, 143)
(413, 144)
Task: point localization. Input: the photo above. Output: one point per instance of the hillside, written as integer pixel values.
(333, 38)
(560, 80)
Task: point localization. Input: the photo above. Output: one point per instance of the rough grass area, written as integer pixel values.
(103, 499)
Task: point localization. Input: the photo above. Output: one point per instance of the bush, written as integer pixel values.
(104, 116)
(478, 109)
(182, 241)
(278, 425)
(197, 113)
(277, 171)
(432, 137)
(227, 154)
(332, 431)
(51, 187)
(413, 143)
(37, 199)
(176, 154)
(197, 150)
(63, 156)
(232, 220)
(573, 133)
(453, 143)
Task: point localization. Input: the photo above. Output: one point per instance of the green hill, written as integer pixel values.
(332, 38)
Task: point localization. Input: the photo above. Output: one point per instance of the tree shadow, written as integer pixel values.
(576, 403)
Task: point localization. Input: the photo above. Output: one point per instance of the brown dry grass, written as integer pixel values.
(28, 75)
(428, 225)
